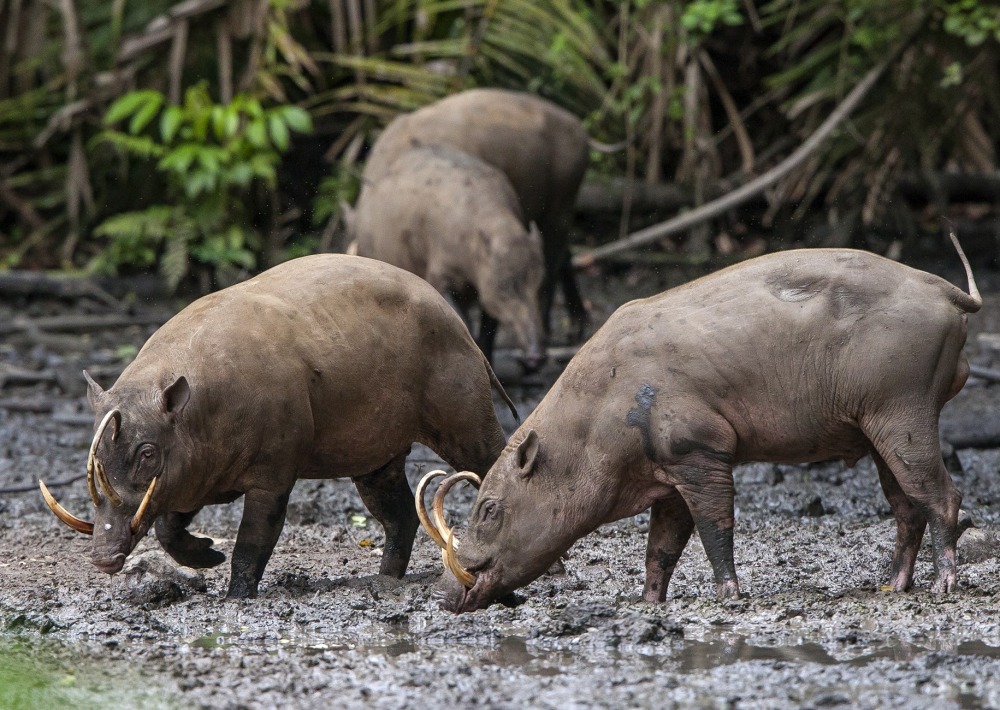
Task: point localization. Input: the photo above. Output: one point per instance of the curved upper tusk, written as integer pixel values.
(451, 543)
(63, 514)
(109, 490)
(92, 455)
(439, 521)
(425, 520)
(461, 574)
(137, 518)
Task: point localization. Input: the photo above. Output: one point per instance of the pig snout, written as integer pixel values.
(113, 541)
(532, 360)
(109, 565)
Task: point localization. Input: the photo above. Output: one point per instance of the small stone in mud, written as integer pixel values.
(154, 580)
(977, 545)
(813, 509)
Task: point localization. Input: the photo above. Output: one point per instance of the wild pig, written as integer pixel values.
(326, 366)
(541, 148)
(455, 220)
(793, 357)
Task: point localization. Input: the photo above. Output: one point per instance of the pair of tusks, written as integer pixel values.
(95, 469)
(438, 530)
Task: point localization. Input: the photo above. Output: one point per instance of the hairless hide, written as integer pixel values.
(325, 366)
(793, 357)
(542, 149)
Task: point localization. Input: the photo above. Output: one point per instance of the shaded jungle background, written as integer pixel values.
(206, 139)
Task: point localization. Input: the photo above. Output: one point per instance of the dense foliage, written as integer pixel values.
(207, 137)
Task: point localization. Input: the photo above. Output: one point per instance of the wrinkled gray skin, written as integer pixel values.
(455, 221)
(325, 366)
(793, 357)
(541, 148)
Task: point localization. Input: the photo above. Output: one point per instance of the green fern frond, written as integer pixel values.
(153, 222)
(138, 146)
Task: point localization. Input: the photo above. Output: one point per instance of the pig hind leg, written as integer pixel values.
(670, 527)
(913, 455)
(910, 526)
(389, 499)
(186, 549)
(559, 271)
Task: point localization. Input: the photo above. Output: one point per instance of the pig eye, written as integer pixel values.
(489, 510)
(147, 452)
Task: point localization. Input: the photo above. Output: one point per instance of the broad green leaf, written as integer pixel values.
(130, 103)
(279, 132)
(218, 114)
(170, 121)
(257, 134)
(146, 113)
(241, 174)
(297, 119)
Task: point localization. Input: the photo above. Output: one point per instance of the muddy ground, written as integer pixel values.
(812, 546)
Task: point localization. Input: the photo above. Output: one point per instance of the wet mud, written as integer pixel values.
(813, 545)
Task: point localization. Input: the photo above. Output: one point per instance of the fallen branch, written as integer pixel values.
(984, 373)
(21, 376)
(32, 283)
(741, 194)
(10, 490)
(84, 322)
(31, 406)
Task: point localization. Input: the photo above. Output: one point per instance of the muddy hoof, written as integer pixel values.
(198, 558)
(511, 600)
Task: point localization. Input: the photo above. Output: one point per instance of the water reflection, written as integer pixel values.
(729, 648)
(686, 655)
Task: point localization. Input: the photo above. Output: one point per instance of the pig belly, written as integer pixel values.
(804, 439)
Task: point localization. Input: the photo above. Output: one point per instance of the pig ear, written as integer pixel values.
(526, 453)
(175, 396)
(94, 391)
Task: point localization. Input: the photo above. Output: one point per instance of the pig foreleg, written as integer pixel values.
(696, 456)
(711, 495)
(263, 519)
(186, 549)
(389, 499)
(670, 527)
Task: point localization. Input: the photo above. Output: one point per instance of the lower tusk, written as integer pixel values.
(425, 520)
(137, 519)
(64, 515)
(461, 574)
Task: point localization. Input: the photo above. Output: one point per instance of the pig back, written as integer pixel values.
(437, 205)
(540, 147)
(792, 348)
(330, 358)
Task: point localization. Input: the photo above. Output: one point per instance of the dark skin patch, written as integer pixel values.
(682, 447)
(638, 417)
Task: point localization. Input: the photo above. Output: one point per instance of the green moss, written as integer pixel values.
(41, 673)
